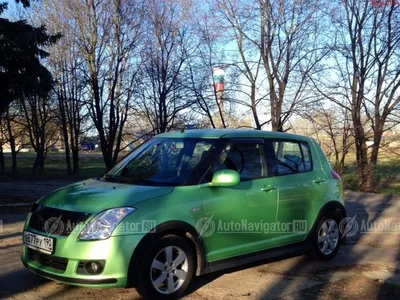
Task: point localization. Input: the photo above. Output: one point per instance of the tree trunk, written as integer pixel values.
(107, 155)
(67, 151)
(75, 152)
(254, 106)
(362, 157)
(13, 155)
(35, 165)
(369, 181)
(66, 139)
(68, 159)
(276, 122)
(12, 145)
(75, 161)
(14, 159)
(276, 110)
(74, 138)
(41, 165)
(38, 165)
(2, 162)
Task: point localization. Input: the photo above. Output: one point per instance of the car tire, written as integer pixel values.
(166, 269)
(325, 239)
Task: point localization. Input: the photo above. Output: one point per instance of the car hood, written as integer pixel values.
(93, 195)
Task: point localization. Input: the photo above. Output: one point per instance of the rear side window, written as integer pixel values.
(291, 157)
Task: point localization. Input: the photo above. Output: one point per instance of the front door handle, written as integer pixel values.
(318, 180)
(268, 188)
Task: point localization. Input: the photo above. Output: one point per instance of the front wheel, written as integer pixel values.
(167, 269)
(325, 239)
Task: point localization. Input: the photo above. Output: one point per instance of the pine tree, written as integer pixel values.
(21, 70)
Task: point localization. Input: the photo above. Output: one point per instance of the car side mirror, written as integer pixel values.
(225, 177)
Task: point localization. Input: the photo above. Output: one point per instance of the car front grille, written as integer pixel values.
(55, 221)
(47, 260)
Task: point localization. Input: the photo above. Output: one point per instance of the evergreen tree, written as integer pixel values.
(21, 70)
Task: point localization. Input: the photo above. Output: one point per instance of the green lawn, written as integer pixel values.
(387, 175)
(90, 165)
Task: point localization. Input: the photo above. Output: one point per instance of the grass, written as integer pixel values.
(90, 165)
(387, 173)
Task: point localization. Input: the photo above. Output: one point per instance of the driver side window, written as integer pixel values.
(247, 158)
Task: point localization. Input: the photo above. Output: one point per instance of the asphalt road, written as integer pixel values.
(368, 266)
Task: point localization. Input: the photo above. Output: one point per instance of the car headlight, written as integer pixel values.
(102, 225)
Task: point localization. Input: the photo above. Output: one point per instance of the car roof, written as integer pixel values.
(230, 133)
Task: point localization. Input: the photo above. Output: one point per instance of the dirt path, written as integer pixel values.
(368, 267)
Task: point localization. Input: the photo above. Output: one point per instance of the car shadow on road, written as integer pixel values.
(389, 286)
(304, 270)
(203, 280)
(327, 272)
(19, 281)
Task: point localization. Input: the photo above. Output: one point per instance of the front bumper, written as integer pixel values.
(77, 281)
(116, 251)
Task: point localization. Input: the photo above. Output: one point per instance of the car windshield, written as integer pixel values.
(161, 162)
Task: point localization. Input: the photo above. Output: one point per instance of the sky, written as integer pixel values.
(14, 10)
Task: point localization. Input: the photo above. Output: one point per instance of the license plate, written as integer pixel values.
(39, 242)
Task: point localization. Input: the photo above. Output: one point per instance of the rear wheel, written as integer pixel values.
(325, 239)
(167, 268)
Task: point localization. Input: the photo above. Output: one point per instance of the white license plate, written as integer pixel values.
(39, 242)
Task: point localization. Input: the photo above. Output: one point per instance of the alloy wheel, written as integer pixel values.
(169, 269)
(328, 236)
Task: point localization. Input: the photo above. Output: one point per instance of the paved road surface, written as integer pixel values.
(368, 267)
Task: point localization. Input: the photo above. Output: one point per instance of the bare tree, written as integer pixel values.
(108, 36)
(12, 133)
(209, 55)
(41, 126)
(67, 66)
(239, 20)
(289, 45)
(169, 44)
(368, 77)
(72, 114)
(333, 130)
(15, 133)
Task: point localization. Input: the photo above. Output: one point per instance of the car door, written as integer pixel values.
(297, 189)
(238, 214)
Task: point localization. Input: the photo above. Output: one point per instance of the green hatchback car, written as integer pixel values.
(188, 203)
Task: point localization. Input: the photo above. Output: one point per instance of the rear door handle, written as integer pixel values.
(268, 188)
(318, 180)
